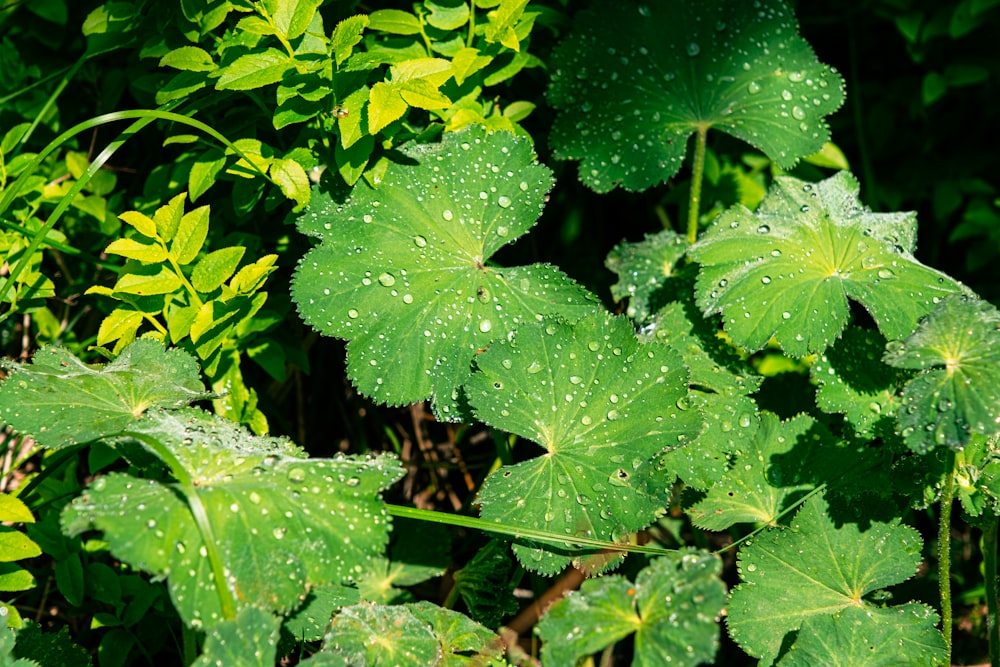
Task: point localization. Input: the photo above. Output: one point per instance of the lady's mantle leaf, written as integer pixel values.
(602, 405)
(673, 610)
(634, 82)
(812, 570)
(402, 271)
(787, 270)
(958, 393)
(411, 634)
(281, 523)
(853, 382)
(60, 401)
(251, 639)
(867, 637)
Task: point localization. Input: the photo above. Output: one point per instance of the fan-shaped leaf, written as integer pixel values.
(814, 569)
(403, 271)
(602, 405)
(60, 401)
(860, 637)
(634, 82)
(250, 640)
(787, 270)
(673, 610)
(253, 493)
(958, 348)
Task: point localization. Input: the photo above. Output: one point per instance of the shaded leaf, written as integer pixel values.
(60, 401)
(643, 268)
(602, 405)
(673, 610)
(249, 640)
(813, 569)
(958, 393)
(486, 584)
(632, 84)
(787, 270)
(404, 271)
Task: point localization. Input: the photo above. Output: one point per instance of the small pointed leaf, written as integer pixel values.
(632, 83)
(787, 270)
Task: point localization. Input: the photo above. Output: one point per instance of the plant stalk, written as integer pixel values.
(697, 173)
(990, 581)
(944, 555)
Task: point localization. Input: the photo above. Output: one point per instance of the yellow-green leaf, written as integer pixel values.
(216, 268)
(140, 222)
(190, 236)
(385, 105)
(147, 253)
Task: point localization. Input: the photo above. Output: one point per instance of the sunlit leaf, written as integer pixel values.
(250, 640)
(602, 405)
(672, 609)
(787, 270)
(633, 82)
(252, 492)
(958, 393)
(60, 401)
(404, 271)
(813, 569)
(860, 637)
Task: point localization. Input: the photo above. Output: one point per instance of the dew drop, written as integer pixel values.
(447, 215)
(407, 299)
(766, 280)
(764, 229)
(523, 186)
(753, 87)
(387, 280)
(507, 363)
(612, 415)
(693, 49)
(420, 241)
(886, 273)
(296, 475)
(485, 325)
(503, 201)
(786, 315)
(798, 113)
(502, 231)
(534, 367)
(575, 379)
(352, 313)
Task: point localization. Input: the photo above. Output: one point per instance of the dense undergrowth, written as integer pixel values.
(499, 332)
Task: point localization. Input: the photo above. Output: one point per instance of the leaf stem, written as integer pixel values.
(989, 546)
(226, 599)
(697, 172)
(944, 554)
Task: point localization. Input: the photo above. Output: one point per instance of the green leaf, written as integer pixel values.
(467, 62)
(486, 584)
(15, 545)
(60, 401)
(420, 93)
(252, 492)
(447, 14)
(140, 222)
(858, 637)
(190, 235)
(216, 268)
(49, 649)
(673, 610)
(851, 381)
(14, 578)
(189, 58)
(120, 324)
(249, 640)
(787, 270)
(147, 280)
(643, 268)
(291, 178)
(292, 17)
(632, 84)
(404, 271)
(814, 569)
(602, 405)
(204, 173)
(346, 36)
(310, 621)
(385, 105)
(394, 21)
(958, 393)
(254, 70)
(149, 252)
(251, 277)
(13, 510)
(168, 217)
(412, 634)
(749, 493)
